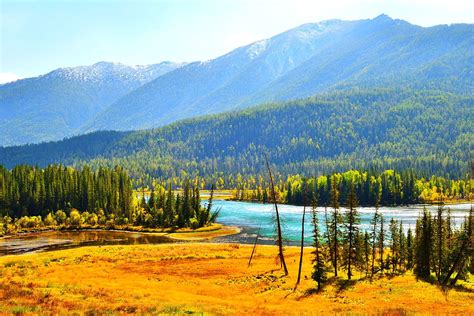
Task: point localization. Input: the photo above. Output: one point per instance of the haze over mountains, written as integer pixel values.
(59, 103)
(308, 60)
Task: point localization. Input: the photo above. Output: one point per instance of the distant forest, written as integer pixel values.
(386, 188)
(430, 132)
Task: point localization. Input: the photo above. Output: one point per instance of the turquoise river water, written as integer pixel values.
(254, 216)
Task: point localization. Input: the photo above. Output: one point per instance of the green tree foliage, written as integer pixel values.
(335, 231)
(319, 265)
(424, 239)
(370, 130)
(59, 196)
(351, 231)
(31, 191)
(388, 187)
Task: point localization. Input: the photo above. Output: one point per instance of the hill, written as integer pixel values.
(429, 131)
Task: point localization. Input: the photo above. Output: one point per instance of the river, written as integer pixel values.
(254, 216)
(250, 217)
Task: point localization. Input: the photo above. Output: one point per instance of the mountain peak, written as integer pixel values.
(382, 17)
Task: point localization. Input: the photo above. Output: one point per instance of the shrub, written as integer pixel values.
(60, 217)
(49, 220)
(75, 218)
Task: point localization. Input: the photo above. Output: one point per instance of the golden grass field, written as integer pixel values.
(203, 278)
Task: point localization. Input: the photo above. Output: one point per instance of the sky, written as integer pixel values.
(39, 36)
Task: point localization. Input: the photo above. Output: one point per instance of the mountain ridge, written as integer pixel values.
(313, 58)
(57, 104)
(304, 61)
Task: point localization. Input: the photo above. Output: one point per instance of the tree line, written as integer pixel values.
(59, 196)
(389, 187)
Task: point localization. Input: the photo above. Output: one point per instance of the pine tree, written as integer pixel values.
(381, 243)
(374, 235)
(402, 248)
(449, 230)
(319, 266)
(367, 249)
(335, 222)
(423, 246)
(409, 249)
(186, 204)
(168, 211)
(152, 200)
(329, 235)
(302, 235)
(463, 252)
(394, 243)
(351, 222)
(440, 242)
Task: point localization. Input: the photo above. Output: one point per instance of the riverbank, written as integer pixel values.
(203, 278)
(186, 234)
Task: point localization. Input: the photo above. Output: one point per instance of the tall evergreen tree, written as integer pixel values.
(367, 250)
(409, 249)
(402, 248)
(374, 235)
(394, 243)
(335, 223)
(423, 245)
(319, 266)
(381, 244)
(351, 221)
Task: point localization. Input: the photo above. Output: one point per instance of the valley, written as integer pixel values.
(270, 168)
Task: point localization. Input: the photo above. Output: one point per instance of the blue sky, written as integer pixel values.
(39, 36)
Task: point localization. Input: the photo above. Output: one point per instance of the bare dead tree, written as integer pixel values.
(254, 246)
(279, 235)
(302, 236)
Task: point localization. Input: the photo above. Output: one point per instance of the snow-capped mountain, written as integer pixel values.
(310, 59)
(59, 103)
(307, 60)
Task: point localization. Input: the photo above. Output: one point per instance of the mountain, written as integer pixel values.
(307, 60)
(429, 131)
(58, 104)
(314, 58)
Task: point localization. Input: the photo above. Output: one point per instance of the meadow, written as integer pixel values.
(206, 278)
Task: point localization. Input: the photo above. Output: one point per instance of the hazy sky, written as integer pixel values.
(39, 36)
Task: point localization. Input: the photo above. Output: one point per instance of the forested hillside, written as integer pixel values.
(428, 131)
(301, 62)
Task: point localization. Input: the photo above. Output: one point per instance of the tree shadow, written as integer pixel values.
(458, 287)
(428, 279)
(343, 284)
(311, 291)
(461, 288)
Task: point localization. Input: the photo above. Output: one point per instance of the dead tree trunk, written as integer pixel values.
(254, 246)
(279, 235)
(302, 238)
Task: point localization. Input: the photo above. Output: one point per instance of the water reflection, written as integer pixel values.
(55, 240)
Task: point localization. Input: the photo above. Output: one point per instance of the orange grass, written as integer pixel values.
(203, 278)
